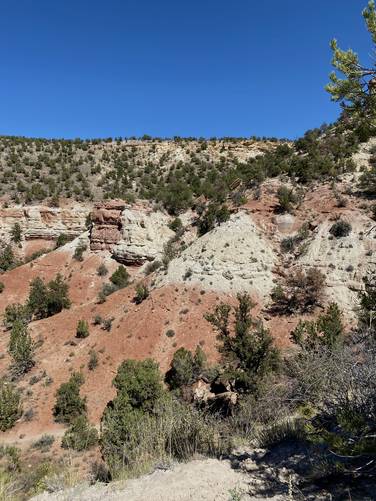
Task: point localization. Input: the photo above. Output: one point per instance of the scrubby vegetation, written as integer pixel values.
(301, 292)
(69, 404)
(82, 330)
(10, 405)
(46, 300)
(80, 435)
(144, 424)
(21, 348)
(142, 293)
(340, 229)
(38, 169)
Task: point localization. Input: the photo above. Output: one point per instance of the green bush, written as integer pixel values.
(44, 442)
(214, 215)
(286, 198)
(69, 404)
(82, 330)
(7, 259)
(21, 349)
(16, 233)
(15, 312)
(93, 360)
(62, 239)
(340, 229)
(175, 224)
(47, 300)
(185, 367)
(140, 381)
(102, 270)
(10, 405)
(78, 252)
(142, 293)
(107, 324)
(144, 425)
(302, 292)
(367, 310)
(80, 436)
(327, 330)
(248, 353)
(120, 278)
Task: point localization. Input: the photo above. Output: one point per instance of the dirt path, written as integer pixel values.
(200, 480)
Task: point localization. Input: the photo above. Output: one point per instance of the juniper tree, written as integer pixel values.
(356, 90)
(21, 348)
(247, 348)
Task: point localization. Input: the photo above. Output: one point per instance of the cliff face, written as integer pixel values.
(133, 234)
(42, 222)
(41, 225)
(106, 224)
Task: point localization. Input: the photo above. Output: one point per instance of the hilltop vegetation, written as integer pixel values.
(174, 173)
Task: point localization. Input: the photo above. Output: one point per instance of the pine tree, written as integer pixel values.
(356, 92)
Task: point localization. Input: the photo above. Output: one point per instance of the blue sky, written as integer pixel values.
(90, 68)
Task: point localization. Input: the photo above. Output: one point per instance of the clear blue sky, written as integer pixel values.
(91, 68)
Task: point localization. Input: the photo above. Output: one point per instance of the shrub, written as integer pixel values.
(140, 381)
(82, 330)
(2, 287)
(185, 367)
(170, 333)
(102, 270)
(120, 278)
(38, 298)
(286, 198)
(143, 424)
(340, 229)
(175, 224)
(47, 300)
(16, 233)
(170, 251)
(153, 266)
(301, 292)
(80, 436)
(288, 244)
(142, 293)
(69, 405)
(62, 240)
(97, 320)
(93, 360)
(21, 349)
(367, 310)
(7, 259)
(214, 215)
(107, 324)
(15, 312)
(78, 252)
(10, 405)
(327, 330)
(44, 442)
(248, 353)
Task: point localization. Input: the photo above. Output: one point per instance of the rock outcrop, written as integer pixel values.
(231, 258)
(106, 229)
(133, 234)
(42, 222)
(344, 261)
(143, 236)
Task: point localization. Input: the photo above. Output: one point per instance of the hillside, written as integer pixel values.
(79, 215)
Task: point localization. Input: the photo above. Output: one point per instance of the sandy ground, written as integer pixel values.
(200, 480)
